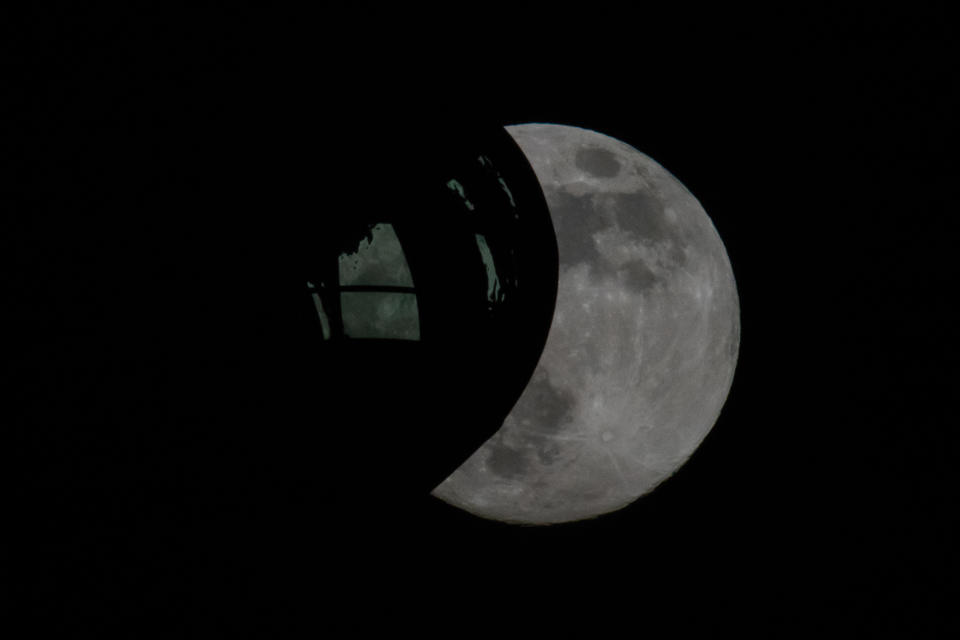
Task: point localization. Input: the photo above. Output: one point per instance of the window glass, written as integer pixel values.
(380, 314)
(377, 261)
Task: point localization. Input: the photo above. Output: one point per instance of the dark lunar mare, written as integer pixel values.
(598, 162)
(549, 408)
(641, 214)
(575, 225)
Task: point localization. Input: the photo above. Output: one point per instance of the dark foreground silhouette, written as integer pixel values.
(190, 451)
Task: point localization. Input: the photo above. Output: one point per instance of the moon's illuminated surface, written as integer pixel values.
(642, 347)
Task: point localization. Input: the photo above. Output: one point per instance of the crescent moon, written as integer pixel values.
(642, 347)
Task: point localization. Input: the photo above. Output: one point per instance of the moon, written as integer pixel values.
(642, 347)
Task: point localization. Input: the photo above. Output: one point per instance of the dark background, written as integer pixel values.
(820, 145)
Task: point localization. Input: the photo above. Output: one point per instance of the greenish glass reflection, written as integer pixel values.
(380, 314)
(324, 321)
(318, 304)
(494, 291)
(456, 186)
(378, 261)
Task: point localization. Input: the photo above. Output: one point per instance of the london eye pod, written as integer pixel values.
(430, 304)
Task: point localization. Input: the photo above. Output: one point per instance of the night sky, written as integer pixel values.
(820, 146)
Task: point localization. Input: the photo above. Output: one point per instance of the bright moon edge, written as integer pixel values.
(641, 351)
